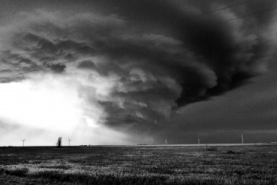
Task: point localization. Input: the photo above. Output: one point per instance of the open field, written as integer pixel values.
(139, 165)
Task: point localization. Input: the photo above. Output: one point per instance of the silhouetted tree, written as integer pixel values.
(59, 142)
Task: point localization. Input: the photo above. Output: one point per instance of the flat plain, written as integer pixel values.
(139, 165)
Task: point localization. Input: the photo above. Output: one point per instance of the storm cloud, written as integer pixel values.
(177, 54)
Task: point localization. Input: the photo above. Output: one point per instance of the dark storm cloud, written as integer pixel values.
(184, 58)
(228, 48)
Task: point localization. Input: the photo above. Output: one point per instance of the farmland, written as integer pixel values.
(139, 165)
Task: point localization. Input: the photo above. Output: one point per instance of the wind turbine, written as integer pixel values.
(23, 140)
(241, 138)
(69, 141)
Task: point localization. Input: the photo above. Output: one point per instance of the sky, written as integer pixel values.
(139, 71)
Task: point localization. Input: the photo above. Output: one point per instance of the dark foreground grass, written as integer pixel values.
(139, 165)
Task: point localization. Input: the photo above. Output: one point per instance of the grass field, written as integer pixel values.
(139, 165)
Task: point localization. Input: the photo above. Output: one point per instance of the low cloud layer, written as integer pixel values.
(132, 80)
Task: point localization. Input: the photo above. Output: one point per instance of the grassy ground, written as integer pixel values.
(139, 165)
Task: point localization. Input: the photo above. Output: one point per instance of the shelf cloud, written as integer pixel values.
(135, 79)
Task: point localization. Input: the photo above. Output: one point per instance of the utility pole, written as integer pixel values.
(241, 138)
(69, 141)
(23, 140)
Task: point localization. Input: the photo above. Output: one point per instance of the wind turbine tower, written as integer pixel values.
(241, 138)
(23, 140)
(69, 141)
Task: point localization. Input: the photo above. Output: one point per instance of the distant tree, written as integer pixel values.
(59, 142)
